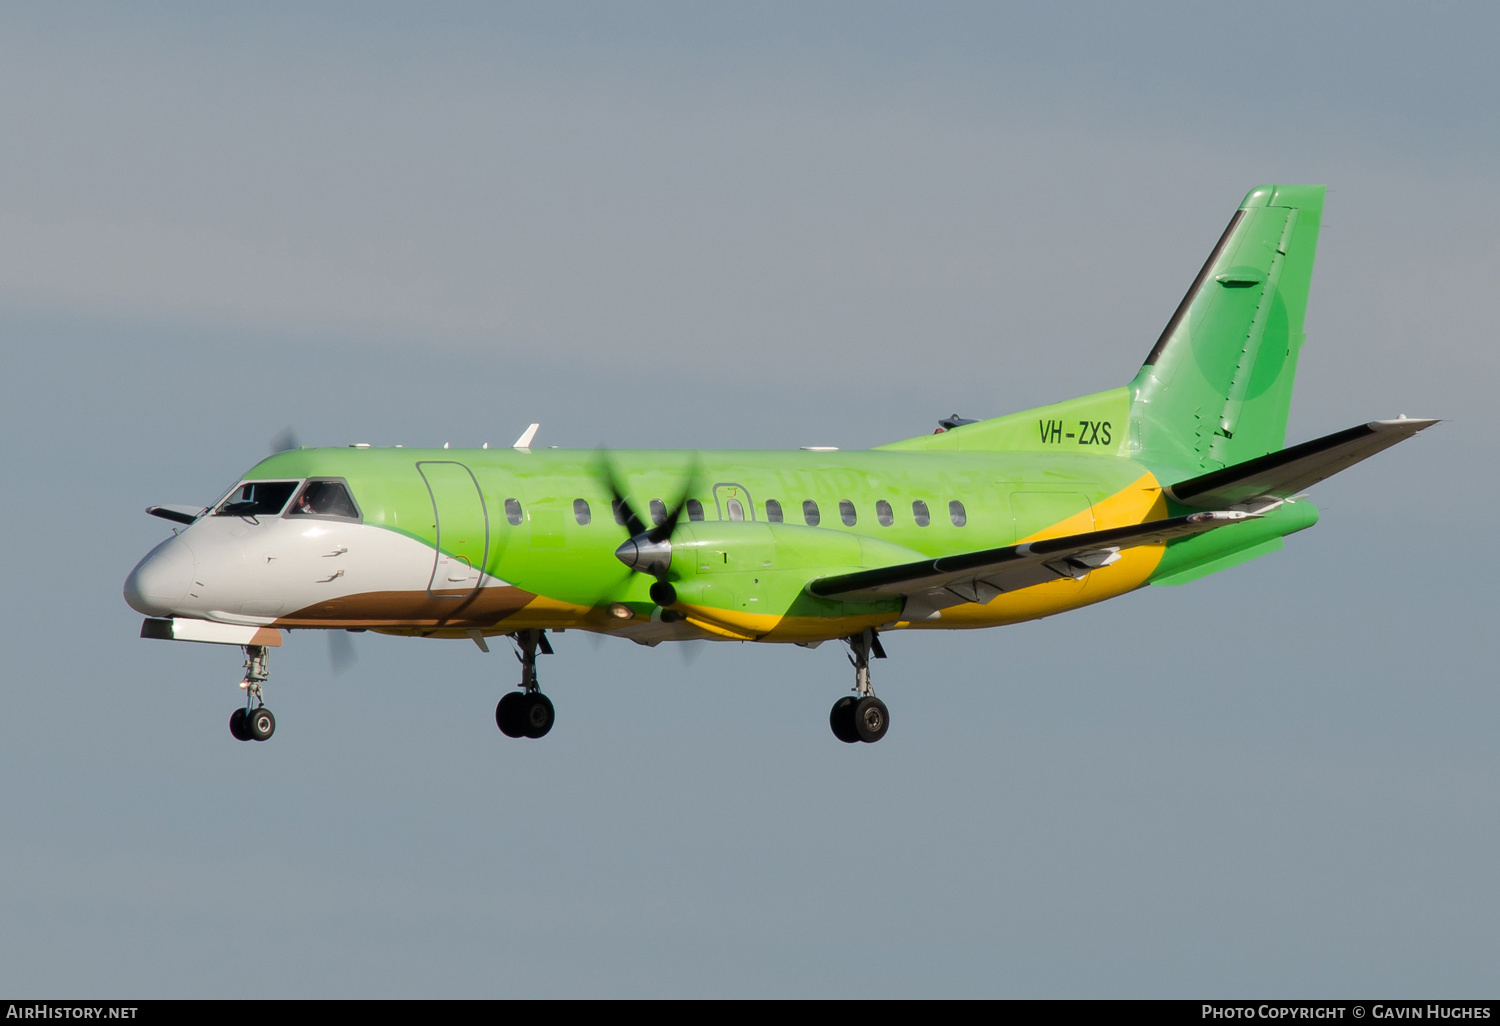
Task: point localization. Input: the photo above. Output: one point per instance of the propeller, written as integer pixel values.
(648, 550)
(341, 654)
(690, 651)
(285, 439)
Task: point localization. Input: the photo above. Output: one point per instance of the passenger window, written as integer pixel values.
(695, 509)
(956, 513)
(883, 513)
(773, 511)
(513, 512)
(919, 513)
(735, 509)
(658, 512)
(581, 512)
(810, 512)
(621, 516)
(846, 512)
(257, 499)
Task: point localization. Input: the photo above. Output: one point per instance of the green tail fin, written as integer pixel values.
(1217, 386)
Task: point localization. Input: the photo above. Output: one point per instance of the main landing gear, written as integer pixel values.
(254, 722)
(861, 716)
(527, 713)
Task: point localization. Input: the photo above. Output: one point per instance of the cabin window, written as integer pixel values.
(658, 512)
(735, 509)
(883, 513)
(846, 512)
(773, 511)
(581, 512)
(919, 513)
(695, 509)
(956, 513)
(257, 499)
(810, 512)
(622, 514)
(324, 499)
(513, 512)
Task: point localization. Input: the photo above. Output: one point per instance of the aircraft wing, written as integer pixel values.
(932, 584)
(1280, 475)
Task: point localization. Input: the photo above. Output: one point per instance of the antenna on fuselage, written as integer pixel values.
(527, 437)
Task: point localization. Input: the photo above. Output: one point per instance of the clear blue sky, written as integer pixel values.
(777, 225)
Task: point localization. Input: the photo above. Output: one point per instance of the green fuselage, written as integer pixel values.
(541, 527)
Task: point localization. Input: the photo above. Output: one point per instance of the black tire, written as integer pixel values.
(539, 714)
(261, 724)
(508, 714)
(841, 719)
(871, 719)
(239, 728)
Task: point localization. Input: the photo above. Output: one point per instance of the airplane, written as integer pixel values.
(1178, 474)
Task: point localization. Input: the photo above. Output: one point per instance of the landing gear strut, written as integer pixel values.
(528, 712)
(861, 716)
(254, 722)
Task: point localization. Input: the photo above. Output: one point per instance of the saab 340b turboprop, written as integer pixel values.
(1176, 475)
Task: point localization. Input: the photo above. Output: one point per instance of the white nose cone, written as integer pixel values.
(160, 581)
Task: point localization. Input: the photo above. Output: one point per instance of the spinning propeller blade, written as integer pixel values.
(341, 654)
(690, 651)
(647, 550)
(285, 439)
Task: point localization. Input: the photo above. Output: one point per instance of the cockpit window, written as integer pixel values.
(257, 499)
(324, 499)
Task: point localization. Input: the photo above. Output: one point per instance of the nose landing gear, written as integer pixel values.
(527, 713)
(254, 722)
(861, 716)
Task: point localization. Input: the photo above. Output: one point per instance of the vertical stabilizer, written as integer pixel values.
(1217, 386)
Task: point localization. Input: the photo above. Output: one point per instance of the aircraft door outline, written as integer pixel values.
(458, 571)
(731, 499)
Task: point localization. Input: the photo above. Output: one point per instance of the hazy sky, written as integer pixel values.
(759, 225)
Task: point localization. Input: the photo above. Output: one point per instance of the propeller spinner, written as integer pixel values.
(648, 550)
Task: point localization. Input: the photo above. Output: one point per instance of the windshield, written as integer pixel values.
(324, 499)
(256, 499)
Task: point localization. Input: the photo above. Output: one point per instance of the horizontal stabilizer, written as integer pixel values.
(1280, 475)
(933, 584)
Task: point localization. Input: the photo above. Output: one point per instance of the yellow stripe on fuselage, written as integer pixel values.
(1141, 501)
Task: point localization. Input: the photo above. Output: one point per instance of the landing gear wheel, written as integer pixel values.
(508, 714)
(538, 714)
(871, 719)
(261, 723)
(841, 719)
(238, 726)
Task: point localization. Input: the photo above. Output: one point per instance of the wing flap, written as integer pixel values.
(933, 584)
(1280, 475)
